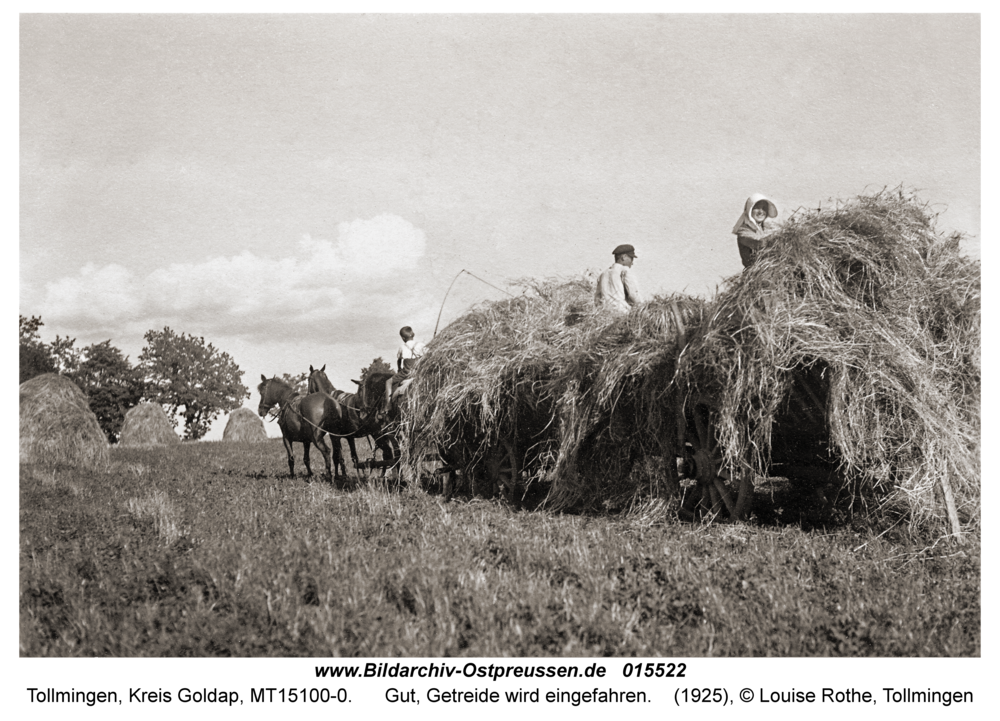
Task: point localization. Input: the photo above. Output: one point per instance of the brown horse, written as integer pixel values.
(304, 419)
(362, 411)
(320, 383)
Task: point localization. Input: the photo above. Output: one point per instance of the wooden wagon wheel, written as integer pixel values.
(435, 474)
(385, 456)
(503, 470)
(710, 495)
(448, 462)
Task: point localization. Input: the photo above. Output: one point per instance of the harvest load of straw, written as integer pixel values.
(851, 347)
(880, 314)
(488, 375)
(556, 379)
(57, 426)
(244, 426)
(147, 425)
(616, 404)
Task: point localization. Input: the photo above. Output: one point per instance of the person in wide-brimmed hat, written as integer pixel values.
(749, 229)
(617, 287)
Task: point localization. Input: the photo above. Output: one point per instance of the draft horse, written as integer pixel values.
(362, 410)
(306, 420)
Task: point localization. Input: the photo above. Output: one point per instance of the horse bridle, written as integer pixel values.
(275, 410)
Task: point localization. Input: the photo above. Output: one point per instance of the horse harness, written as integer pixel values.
(286, 405)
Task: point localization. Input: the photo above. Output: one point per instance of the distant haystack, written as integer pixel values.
(147, 425)
(245, 426)
(57, 425)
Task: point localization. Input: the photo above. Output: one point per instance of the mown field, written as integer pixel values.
(209, 549)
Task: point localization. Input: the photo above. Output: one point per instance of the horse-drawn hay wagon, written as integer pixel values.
(507, 459)
(847, 356)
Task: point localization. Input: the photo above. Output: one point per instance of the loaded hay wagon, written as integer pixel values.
(541, 396)
(846, 356)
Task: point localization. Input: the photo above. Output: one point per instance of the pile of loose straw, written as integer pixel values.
(888, 310)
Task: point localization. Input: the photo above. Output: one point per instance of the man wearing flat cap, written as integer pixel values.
(617, 287)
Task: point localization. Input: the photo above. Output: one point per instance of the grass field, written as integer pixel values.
(209, 549)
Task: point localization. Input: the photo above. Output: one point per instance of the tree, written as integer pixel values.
(299, 382)
(34, 357)
(112, 385)
(182, 371)
(28, 329)
(66, 355)
(377, 366)
(61, 356)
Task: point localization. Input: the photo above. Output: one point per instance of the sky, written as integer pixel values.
(295, 188)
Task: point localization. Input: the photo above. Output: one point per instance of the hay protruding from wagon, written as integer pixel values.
(618, 405)
(558, 378)
(57, 426)
(147, 424)
(488, 375)
(244, 426)
(882, 313)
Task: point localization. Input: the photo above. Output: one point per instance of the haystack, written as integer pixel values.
(244, 426)
(57, 425)
(870, 312)
(555, 377)
(147, 425)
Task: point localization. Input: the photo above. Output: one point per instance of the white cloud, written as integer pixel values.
(106, 292)
(346, 283)
(394, 243)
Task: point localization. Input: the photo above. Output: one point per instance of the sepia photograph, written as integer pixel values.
(550, 357)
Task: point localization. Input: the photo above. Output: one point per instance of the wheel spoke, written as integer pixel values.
(692, 497)
(744, 495)
(721, 489)
(723, 492)
(716, 501)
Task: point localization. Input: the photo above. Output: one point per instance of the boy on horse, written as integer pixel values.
(409, 350)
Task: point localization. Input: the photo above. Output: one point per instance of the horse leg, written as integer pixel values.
(291, 458)
(305, 457)
(338, 456)
(354, 452)
(389, 457)
(324, 448)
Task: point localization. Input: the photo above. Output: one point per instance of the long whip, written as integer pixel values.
(453, 284)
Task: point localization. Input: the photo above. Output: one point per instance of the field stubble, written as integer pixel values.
(209, 549)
